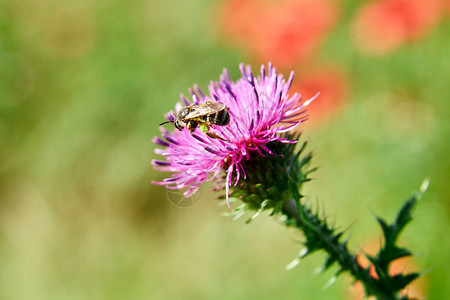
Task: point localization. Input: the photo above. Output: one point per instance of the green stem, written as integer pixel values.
(330, 243)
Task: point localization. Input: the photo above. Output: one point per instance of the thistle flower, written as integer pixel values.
(258, 145)
(260, 109)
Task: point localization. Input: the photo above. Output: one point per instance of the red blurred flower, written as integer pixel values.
(382, 26)
(333, 86)
(416, 290)
(284, 32)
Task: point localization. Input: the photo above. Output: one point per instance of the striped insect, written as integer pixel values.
(202, 115)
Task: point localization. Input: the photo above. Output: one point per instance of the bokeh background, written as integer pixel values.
(84, 85)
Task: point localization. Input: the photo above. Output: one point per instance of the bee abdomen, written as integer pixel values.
(220, 118)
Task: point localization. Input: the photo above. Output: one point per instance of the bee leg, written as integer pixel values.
(215, 136)
(191, 125)
(205, 128)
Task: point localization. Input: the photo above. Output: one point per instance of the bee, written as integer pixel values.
(204, 115)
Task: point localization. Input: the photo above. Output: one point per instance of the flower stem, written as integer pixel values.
(275, 182)
(326, 239)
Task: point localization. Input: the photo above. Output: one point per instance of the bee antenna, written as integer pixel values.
(165, 122)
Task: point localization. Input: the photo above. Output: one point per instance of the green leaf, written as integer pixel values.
(337, 236)
(387, 230)
(305, 159)
(404, 216)
(258, 186)
(394, 253)
(277, 208)
(294, 189)
(253, 201)
(328, 263)
(400, 281)
(269, 176)
(274, 192)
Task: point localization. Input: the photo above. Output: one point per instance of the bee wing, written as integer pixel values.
(204, 109)
(214, 106)
(197, 111)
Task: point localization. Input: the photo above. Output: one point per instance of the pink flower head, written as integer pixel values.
(260, 109)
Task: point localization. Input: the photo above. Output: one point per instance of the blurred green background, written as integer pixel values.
(83, 87)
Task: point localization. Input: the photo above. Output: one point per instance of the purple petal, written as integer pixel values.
(160, 142)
